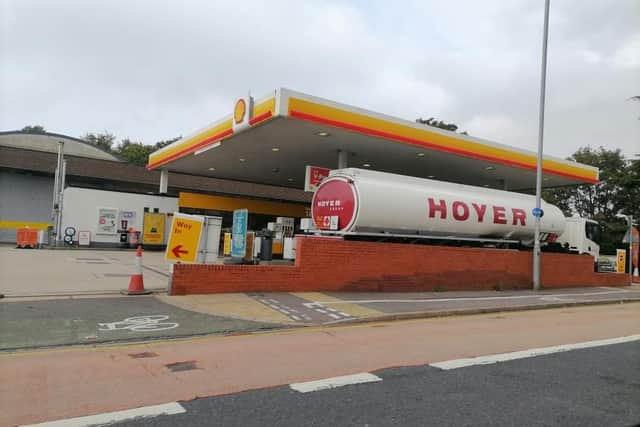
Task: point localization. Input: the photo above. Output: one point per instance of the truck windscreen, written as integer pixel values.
(593, 231)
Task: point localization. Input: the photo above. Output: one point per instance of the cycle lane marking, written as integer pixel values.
(153, 322)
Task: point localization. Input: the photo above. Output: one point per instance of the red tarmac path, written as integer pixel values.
(56, 384)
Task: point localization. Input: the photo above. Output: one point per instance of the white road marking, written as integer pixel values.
(153, 322)
(319, 310)
(335, 316)
(371, 301)
(113, 417)
(344, 314)
(294, 317)
(334, 382)
(503, 357)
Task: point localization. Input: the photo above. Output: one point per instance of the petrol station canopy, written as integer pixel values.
(271, 140)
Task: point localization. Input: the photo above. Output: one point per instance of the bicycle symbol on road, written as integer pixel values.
(140, 324)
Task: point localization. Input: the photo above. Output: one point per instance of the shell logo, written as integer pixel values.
(239, 111)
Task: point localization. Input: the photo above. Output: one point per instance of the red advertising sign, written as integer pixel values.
(334, 205)
(313, 177)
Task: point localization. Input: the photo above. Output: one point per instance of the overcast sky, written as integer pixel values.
(152, 70)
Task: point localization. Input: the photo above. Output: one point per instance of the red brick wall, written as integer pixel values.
(329, 264)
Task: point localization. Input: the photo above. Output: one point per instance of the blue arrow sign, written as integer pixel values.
(537, 212)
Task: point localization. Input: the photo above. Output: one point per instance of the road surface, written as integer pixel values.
(590, 387)
(77, 382)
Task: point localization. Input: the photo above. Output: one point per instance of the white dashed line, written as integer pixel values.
(495, 358)
(335, 316)
(334, 382)
(113, 417)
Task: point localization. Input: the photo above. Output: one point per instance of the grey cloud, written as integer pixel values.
(151, 70)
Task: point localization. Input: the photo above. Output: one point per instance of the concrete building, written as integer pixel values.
(27, 167)
(26, 194)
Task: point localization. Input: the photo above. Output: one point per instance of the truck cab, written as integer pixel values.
(581, 236)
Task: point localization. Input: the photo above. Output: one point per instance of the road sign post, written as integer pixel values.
(184, 239)
(543, 80)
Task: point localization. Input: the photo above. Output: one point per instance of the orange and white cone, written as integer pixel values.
(136, 283)
(636, 276)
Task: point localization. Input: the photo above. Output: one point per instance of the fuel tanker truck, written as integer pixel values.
(365, 204)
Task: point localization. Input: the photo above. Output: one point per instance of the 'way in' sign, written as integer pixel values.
(181, 226)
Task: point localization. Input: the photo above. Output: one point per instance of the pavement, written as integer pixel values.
(39, 273)
(72, 297)
(81, 381)
(81, 321)
(590, 387)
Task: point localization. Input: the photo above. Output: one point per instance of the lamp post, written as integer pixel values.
(543, 78)
(629, 220)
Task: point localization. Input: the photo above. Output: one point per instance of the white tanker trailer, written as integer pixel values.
(357, 202)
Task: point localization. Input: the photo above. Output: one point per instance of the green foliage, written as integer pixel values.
(617, 192)
(133, 152)
(104, 140)
(438, 124)
(158, 145)
(37, 129)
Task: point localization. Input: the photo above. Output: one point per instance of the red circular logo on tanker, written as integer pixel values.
(334, 205)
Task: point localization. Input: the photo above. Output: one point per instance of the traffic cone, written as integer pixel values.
(136, 284)
(636, 276)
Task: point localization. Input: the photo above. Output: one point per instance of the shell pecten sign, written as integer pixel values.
(239, 111)
(242, 111)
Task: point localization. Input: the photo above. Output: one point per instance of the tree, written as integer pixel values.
(439, 124)
(101, 140)
(133, 152)
(36, 129)
(163, 143)
(137, 153)
(618, 191)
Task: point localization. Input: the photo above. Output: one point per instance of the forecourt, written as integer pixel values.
(271, 140)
